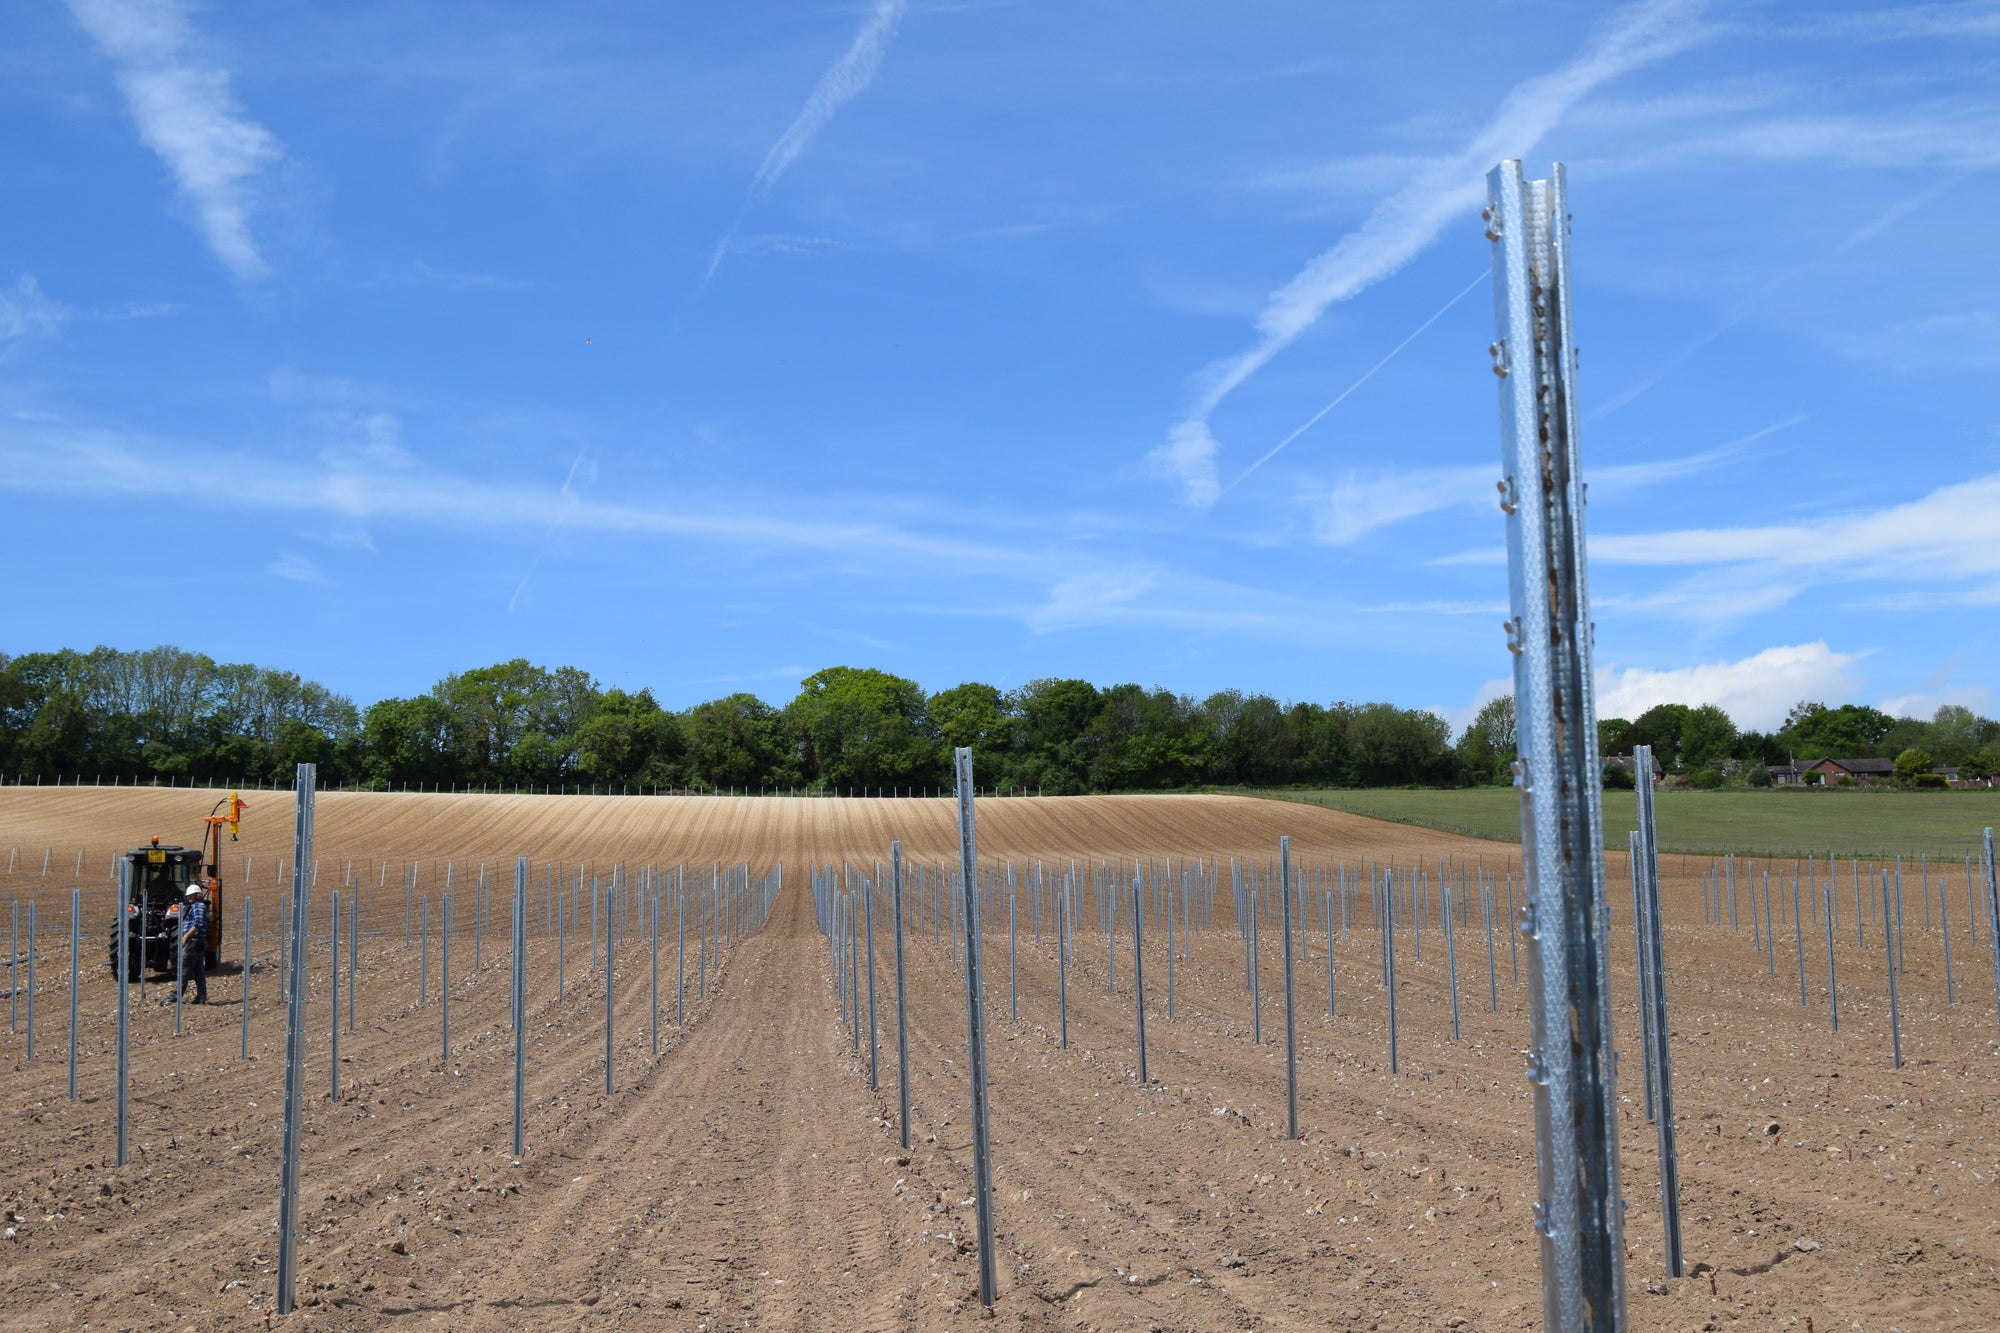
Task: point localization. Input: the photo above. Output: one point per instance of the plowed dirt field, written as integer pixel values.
(747, 1177)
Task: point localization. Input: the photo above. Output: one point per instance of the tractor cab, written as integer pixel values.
(156, 880)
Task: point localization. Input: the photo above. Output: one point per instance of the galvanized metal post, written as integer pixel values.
(1944, 933)
(968, 861)
(1889, 948)
(33, 936)
(1993, 914)
(610, 966)
(1387, 896)
(1062, 966)
(179, 961)
(1799, 930)
(444, 977)
(520, 1005)
(653, 901)
(333, 995)
(681, 982)
(75, 943)
(1256, 979)
(1291, 1024)
(1326, 919)
(1643, 966)
(243, 1051)
(1574, 1063)
(353, 953)
(902, 999)
(1655, 1000)
(295, 1023)
(1492, 975)
(1832, 993)
(1013, 954)
(124, 999)
(1139, 973)
(1450, 952)
(874, 1052)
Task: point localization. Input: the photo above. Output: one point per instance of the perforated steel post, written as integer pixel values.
(520, 1000)
(902, 998)
(1573, 1065)
(1291, 1023)
(75, 942)
(295, 1036)
(1139, 973)
(975, 1019)
(1992, 915)
(1654, 973)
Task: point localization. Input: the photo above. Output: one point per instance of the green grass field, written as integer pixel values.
(1756, 823)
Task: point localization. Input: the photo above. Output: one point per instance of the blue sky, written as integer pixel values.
(704, 346)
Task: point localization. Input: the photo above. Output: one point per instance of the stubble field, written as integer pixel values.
(747, 1176)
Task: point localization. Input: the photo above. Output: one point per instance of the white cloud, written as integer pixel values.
(1756, 691)
(45, 456)
(298, 569)
(846, 80)
(26, 314)
(185, 113)
(1406, 223)
(1925, 703)
(1941, 535)
(1359, 505)
(1460, 718)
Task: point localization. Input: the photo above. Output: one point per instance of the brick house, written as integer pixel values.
(1865, 772)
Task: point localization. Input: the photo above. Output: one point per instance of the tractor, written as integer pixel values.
(156, 879)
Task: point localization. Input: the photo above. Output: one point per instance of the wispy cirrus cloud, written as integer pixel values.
(187, 115)
(845, 80)
(1360, 504)
(1407, 223)
(27, 315)
(297, 569)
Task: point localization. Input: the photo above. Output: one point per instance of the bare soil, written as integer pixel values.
(748, 1177)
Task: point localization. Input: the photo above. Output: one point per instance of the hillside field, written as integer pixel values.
(1878, 824)
(744, 1173)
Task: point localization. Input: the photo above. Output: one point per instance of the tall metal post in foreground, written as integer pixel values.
(1139, 972)
(1654, 974)
(975, 1021)
(75, 940)
(1992, 926)
(520, 1006)
(1573, 1064)
(902, 1002)
(124, 999)
(295, 1038)
(333, 1001)
(1291, 1027)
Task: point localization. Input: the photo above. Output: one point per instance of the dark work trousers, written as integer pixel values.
(194, 968)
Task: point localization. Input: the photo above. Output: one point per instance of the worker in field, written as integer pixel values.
(194, 944)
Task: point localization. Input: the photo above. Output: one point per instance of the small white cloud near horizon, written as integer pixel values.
(298, 569)
(1409, 221)
(187, 116)
(1756, 691)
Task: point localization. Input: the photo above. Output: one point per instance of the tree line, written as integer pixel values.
(172, 715)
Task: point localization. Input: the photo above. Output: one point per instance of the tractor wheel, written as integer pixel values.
(135, 962)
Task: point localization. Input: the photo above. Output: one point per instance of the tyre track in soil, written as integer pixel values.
(709, 1166)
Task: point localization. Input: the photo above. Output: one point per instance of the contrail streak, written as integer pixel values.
(1313, 420)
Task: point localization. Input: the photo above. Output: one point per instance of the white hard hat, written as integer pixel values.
(194, 890)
